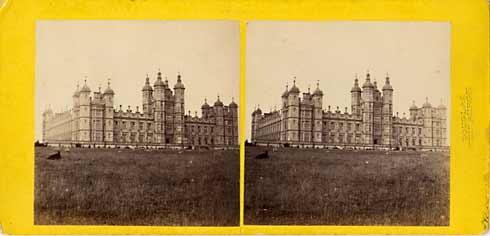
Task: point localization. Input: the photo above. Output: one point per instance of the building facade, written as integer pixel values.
(303, 122)
(162, 123)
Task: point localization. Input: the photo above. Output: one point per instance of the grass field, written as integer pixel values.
(334, 187)
(137, 187)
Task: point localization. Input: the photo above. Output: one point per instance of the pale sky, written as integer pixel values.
(206, 53)
(415, 54)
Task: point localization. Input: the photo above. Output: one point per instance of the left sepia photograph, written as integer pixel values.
(136, 123)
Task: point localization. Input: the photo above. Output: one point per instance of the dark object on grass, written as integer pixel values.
(263, 155)
(55, 156)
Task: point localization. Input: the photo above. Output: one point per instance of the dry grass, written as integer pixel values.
(137, 187)
(333, 187)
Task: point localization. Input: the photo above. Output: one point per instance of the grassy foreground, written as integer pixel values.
(334, 187)
(137, 187)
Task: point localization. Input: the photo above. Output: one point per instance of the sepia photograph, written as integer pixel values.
(137, 123)
(347, 123)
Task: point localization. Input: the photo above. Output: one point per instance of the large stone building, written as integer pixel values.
(303, 122)
(162, 122)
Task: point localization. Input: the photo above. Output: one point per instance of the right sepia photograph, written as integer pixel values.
(347, 123)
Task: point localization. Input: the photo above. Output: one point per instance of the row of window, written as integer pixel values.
(202, 140)
(200, 129)
(134, 137)
(407, 130)
(132, 125)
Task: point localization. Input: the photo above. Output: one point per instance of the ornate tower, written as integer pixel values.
(168, 109)
(147, 97)
(255, 117)
(108, 129)
(356, 98)
(219, 128)
(205, 108)
(75, 115)
(428, 129)
(317, 114)
(442, 116)
(377, 116)
(84, 114)
(284, 97)
(179, 111)
(47, 115)
(367, 111)
(292, 134)
(158, 110)
(387, 114)
(284, 115)
(413, 111)
(234, 122)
